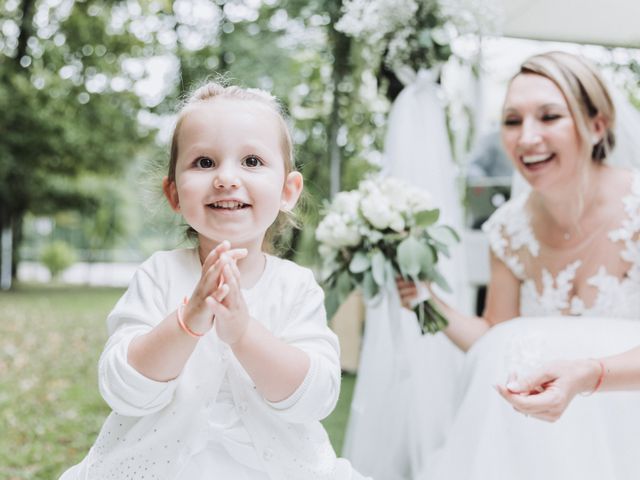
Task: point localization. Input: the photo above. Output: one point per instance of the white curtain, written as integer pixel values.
(404, 397)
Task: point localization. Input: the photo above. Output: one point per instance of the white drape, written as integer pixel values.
(404, 396)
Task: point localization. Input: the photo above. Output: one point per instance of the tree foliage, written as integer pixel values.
(67, 108)
(72, 78)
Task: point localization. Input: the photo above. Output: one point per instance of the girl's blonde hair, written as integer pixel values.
(585, 92)
(211, 91)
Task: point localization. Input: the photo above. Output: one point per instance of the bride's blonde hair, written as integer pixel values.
(585, 92)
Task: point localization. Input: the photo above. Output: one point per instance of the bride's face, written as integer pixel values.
(539, 133)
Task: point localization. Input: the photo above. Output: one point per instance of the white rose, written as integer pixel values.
(374, 236)
(397, 222)
(326, 252)
(377, 210)
(401, 194)
(347, 203)
(338, 231)
(421, 200)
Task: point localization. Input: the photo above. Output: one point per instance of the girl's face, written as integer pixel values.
(539, 133)
(230, 172)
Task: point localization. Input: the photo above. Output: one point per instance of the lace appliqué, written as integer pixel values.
(555, 292)
(509, 230)
(629, 232)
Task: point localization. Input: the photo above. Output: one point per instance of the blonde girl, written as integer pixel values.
(219, 363)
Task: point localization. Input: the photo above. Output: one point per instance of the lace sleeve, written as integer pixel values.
(508, 231)
(629, 232)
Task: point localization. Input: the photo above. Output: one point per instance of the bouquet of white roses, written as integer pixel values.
(382, 230)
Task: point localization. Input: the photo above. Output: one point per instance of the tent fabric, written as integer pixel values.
(611, 23)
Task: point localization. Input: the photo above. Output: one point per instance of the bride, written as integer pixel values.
(565, 283)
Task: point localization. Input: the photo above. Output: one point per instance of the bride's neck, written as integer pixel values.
(569, 205)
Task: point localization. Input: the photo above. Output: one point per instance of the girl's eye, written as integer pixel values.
(252, 161)
(550, 117)
(509, 122)
(204, 162)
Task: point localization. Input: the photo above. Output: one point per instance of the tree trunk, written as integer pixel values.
(340, 49)
(25, 28)
(16, 228)
(6, 265)
(10, 219)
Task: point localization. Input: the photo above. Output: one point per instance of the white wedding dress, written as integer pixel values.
(586, 306)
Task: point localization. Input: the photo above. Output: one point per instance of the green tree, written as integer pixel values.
(291, 48)
(66, 102)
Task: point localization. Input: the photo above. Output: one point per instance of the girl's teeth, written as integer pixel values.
(227, 205)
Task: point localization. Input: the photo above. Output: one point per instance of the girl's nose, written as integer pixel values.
(226, 177)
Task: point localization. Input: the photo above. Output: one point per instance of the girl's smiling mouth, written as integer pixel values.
(228, 205)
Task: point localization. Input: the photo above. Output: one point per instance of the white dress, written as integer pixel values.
(211, 422)
(589, 307)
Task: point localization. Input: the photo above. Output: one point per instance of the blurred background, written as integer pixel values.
(87, 95)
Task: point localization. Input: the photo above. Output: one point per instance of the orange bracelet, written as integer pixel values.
(600, 378)
(183, 325)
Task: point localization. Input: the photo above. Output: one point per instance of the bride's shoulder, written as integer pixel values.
(634, 175)
(625, 180)
(511, 212)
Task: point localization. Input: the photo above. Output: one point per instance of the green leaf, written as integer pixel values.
(426, 218)
(444, 234)
(391, 276)
(424, 38)
(331, 302)
(378, 261)
(369, 286)
(427, 260)
(359, 263)
(412, 253)
(343, 286)
(436, 277)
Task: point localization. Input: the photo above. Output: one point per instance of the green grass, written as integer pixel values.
(50, 407)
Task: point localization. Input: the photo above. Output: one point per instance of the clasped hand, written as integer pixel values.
(217, 299)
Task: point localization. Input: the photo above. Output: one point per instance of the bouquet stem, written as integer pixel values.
(430, 319)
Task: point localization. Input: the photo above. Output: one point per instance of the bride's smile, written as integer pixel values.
(540, 134)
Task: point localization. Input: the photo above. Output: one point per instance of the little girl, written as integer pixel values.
(219, 363)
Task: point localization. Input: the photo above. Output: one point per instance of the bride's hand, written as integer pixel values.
(409, 292)
(546, 393)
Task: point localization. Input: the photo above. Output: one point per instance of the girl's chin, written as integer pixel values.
(236, 241)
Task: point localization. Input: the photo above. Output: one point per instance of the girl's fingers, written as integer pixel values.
(223, 257)
(220, 294)
(214, 255)
(212, 278)
(235, 271)
(237, 253)
(218, 308)
(231, 282)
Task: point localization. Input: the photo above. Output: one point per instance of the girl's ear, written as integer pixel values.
(291, 191)
(171, 193)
